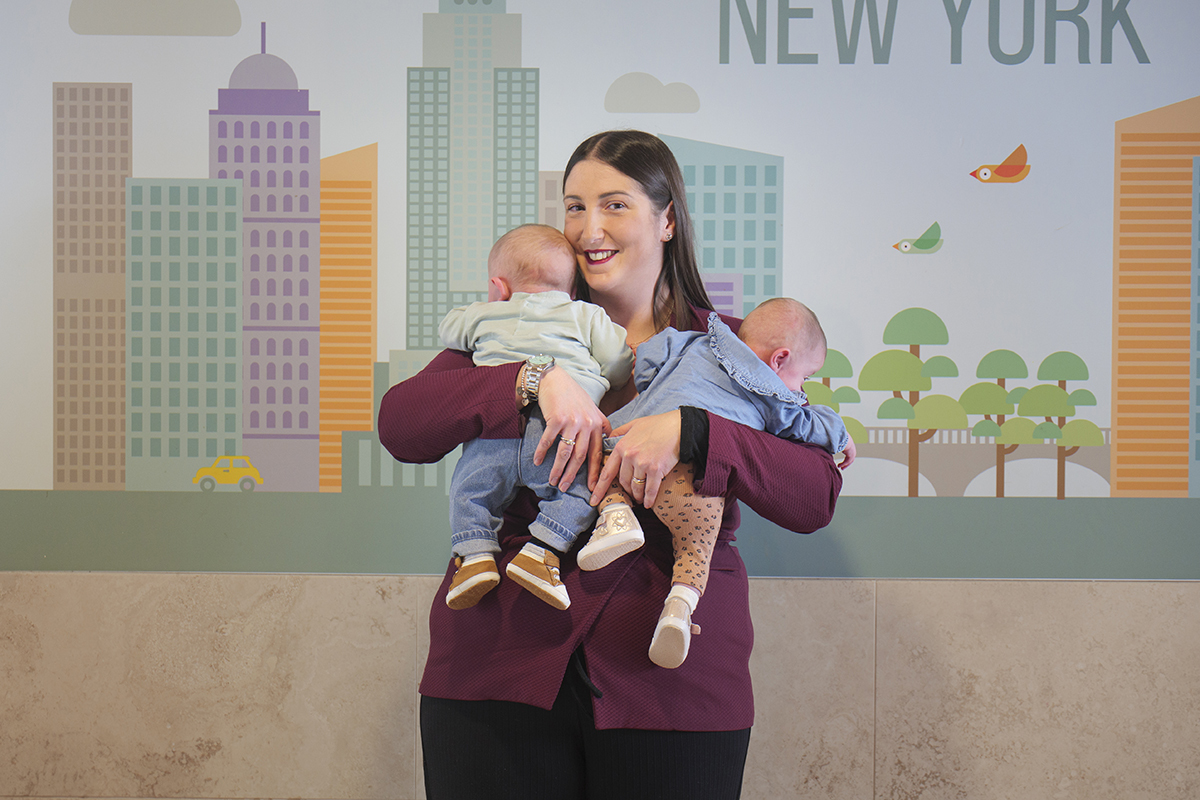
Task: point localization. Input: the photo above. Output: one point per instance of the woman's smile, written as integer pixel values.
(598, 256)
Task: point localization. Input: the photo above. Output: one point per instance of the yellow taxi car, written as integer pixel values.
(229, 470)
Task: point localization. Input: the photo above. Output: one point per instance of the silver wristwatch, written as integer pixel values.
(531, 378)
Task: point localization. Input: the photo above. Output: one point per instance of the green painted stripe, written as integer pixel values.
(405, 532)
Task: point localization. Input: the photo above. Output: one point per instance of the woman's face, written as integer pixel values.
(614, 228)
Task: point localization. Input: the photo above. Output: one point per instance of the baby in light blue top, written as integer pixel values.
(754, 377)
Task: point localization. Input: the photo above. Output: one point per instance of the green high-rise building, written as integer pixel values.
(472, 156)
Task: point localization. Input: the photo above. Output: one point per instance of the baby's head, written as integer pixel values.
(786, 335)
(531, 258)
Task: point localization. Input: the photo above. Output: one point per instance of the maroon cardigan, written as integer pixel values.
(512, 646)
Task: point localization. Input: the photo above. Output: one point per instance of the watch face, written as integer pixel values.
(541, 361)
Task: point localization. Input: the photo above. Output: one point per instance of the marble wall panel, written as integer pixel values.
(143, 685)
(239, 686)
(813, 668)
(1038, 689)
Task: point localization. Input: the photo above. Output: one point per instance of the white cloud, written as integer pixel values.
(156, 17)
(639, 92)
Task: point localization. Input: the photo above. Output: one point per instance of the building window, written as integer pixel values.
(222, 129)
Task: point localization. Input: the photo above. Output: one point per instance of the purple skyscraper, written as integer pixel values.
(264, 133)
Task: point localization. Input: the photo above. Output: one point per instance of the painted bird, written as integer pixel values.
(928, 242)
(1013, 169)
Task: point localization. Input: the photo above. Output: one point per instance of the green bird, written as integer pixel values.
(928, 242)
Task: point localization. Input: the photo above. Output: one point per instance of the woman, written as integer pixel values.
(522, 700)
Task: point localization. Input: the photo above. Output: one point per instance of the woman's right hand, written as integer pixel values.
(570, 413)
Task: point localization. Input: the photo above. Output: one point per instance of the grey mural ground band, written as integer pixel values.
(384, 533)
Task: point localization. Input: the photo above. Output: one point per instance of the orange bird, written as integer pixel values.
(1013, 169)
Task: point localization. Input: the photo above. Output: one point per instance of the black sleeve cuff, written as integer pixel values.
(693, 439)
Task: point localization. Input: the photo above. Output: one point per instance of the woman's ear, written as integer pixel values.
(668, 231)
(498, 289)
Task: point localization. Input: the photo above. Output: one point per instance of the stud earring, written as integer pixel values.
(670, 236)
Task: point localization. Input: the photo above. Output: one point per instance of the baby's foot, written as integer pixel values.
(476, 576)
(617, 532)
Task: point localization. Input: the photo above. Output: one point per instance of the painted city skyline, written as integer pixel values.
(824, 174)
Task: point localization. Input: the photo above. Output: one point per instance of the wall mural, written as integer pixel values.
(257, 213)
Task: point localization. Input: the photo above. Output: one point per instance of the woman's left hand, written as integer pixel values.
(647, 451)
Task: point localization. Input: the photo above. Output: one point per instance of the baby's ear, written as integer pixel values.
(778, 358)
(498, 289)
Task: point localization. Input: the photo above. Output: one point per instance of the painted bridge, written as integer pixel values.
(953, 458)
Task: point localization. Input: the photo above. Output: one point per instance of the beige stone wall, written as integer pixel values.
(136, 685)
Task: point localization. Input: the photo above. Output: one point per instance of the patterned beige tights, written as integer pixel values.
(694, 521)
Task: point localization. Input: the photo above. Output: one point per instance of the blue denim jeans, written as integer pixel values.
(486, 480)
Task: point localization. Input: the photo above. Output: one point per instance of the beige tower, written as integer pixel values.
(1152, 297)
(92, 158)
(550, 202)
(349, 264)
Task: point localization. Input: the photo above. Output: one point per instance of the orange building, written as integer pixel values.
(349, 263)
(1152, 296)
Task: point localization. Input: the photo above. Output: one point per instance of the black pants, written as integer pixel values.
(495, 750)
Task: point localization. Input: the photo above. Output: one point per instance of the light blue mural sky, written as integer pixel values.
(873, 153)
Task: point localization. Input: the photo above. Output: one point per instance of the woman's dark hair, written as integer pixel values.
(646, 159)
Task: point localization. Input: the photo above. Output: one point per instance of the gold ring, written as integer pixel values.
(567, 441)
(639, 480)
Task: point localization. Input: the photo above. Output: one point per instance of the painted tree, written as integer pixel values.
(1052, 402)
(903, 372)
(821, 392)
(821, 395)
(992, 401)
